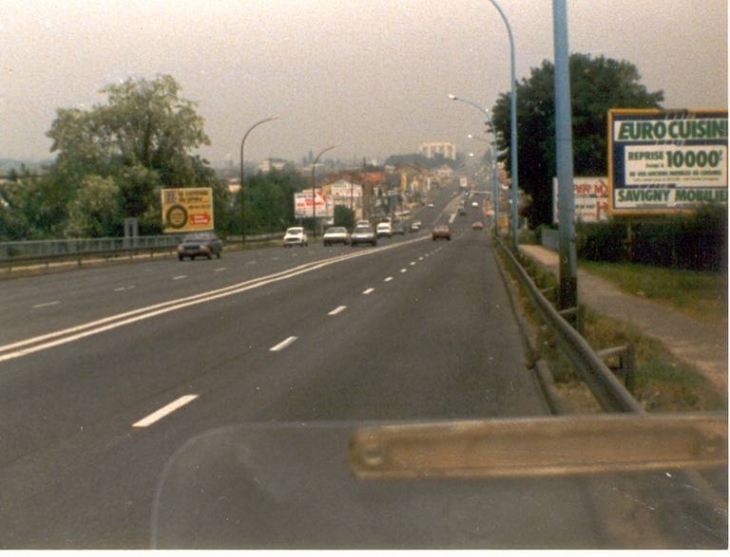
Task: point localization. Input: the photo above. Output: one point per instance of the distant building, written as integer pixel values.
(443, 148)
(272, 164)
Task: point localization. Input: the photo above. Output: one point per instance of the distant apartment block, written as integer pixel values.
(443, 148)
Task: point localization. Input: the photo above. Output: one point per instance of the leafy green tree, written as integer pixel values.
(344, 216)
(141, 140)
(597, 84)
(269, 201)
(95, 212)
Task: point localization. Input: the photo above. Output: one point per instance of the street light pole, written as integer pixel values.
(513, 123)
(314, 199)
(243, 198)
(495, 176)
(568, 291)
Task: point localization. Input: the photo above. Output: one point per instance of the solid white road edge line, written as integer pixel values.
(164, 411)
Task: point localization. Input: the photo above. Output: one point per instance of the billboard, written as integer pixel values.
(303, 205)
(663, 161)
(187, 209)
(590, 195)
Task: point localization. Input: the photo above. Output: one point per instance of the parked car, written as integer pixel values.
(363, 235)
(416, 226)
(384, 230)
(478, 225)
(441, 232)
(336, 235)
(362, 223)
(295, 236)
(475, 204)
(206, 244)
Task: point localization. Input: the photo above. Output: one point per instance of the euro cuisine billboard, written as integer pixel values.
(663, 161)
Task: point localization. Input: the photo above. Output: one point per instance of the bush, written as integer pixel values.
(696, 241)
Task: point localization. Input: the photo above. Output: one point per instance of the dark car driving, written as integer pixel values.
(206, 244)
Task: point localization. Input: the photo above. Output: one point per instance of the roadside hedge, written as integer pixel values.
(696, 241)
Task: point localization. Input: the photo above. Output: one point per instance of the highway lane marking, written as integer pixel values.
(387, 279)
(283, 344)
(46, 304)
(337, 310)
(124, 288)
(413, 263)
(53, 339)
(180, 277)
(404, 270)
(219, 269)
(369, 291)
(165, 411)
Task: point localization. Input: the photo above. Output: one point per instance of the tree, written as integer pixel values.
(95, 211)
(141, 141)
(597, 84)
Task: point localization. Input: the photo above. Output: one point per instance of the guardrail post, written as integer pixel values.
(626, 367)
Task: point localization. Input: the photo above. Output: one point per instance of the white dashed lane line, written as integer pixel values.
(46, 304)
(387, 279)
(165, 411)
(404, 270)
(337, 310)
(369, 291)
(283, 344)
(180, 277)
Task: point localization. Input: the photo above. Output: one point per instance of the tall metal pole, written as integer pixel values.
(513, 123)
(568, 297)
(314, 198)
(243, 197)
(495, 178)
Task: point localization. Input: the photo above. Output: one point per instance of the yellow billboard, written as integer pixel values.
(187, 209)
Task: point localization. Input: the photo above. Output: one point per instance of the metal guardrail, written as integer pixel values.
(47, 251)
(607, 389)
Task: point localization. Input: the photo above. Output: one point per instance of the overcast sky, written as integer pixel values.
(370, 76)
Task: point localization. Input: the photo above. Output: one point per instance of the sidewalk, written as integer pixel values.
(689, 340)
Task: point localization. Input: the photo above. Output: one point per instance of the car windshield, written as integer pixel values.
(364, 274)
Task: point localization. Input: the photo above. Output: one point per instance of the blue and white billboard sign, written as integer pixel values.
(666, 160)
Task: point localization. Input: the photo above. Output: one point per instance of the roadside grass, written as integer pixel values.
(702, 295)
(662, 383)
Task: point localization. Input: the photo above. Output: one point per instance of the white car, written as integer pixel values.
(336, 235)
(384, 229)
(295, 236)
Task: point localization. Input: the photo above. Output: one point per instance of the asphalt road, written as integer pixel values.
(129, 394)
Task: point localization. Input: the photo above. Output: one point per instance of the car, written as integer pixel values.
(362, 222)
(295, 236)
(336, 235)
(399, 229)
(384, 229)
(478, 225)
(430, 205)
(441, 232)
(206, 244)
(416, 226)
(475, 204)
(363, 235)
